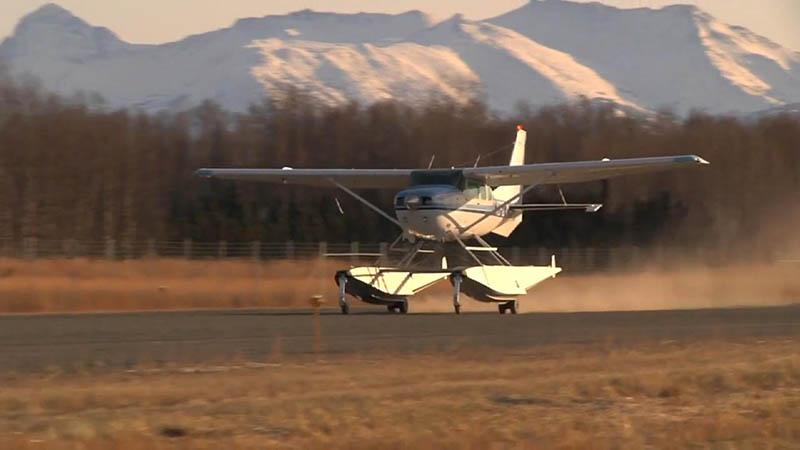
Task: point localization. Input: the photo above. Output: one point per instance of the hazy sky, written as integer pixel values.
(156, 21)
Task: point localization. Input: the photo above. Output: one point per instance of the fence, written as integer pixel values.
(574, 259)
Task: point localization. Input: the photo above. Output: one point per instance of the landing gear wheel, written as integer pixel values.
(345, 308)
(398, 306)
(508, 306)
(458, 309)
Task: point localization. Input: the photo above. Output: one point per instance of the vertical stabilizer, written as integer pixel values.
(503, 193)
(517, 159)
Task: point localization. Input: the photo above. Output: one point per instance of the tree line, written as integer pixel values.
(70, 168)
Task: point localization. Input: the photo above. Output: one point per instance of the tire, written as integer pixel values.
(458, 309)
(345, 309)
(502, 308)
(513, 306)
(403, 306)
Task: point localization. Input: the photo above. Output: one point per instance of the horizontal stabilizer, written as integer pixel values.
(588, 207)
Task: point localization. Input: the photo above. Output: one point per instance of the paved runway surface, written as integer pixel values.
(36, 342)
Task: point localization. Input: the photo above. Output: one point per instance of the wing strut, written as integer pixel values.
(466, 249)
(364, 201)
(493, 252)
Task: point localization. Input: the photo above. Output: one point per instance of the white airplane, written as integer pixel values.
(443, 208)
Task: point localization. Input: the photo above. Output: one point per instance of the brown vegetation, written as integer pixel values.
(661, 395)
(85, 285)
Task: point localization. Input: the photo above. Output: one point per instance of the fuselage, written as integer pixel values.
(438, 212)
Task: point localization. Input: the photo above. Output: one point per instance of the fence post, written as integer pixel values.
(255, 250)
(699, 256)
(222, 249)
(289, 249)
(353, 249)
(590, 263)
(29, 250)
(565, 257)
(515, 255)
(636, 257)
(661, 257)
(70, 248)
(151, 248)
(111, 248)
(187, 248)
(615, 258)
(384, 251)
(323, 249)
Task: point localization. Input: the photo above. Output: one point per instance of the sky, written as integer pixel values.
(158, 21)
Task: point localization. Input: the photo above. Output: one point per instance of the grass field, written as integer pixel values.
(718, 394)
(662, 395)
(81, 285)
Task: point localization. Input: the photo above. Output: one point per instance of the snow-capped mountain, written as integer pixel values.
(678, 56)
(544, 52)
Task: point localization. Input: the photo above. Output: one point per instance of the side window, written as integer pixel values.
(472, 189)
(400, 201)
(426, 200)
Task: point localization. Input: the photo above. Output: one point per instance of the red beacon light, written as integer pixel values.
(519, 127)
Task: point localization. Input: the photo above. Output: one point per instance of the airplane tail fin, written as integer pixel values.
(517, 159)
(508, 192)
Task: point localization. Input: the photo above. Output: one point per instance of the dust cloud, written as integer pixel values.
(690, 288)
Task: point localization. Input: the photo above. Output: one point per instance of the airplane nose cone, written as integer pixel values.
(445, 225)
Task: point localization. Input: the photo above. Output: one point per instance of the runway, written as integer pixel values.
(38, 342)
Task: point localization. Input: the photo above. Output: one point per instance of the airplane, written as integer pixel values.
(439, 210)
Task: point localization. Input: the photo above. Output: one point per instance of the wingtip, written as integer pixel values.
(204, 173)
(691, 159)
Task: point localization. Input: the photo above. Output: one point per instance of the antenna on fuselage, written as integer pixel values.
(560, 192)
(433, 158)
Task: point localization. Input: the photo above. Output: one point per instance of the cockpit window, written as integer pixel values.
(474, 189)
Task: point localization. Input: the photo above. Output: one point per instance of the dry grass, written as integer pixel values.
(702, 395)
(80, 285)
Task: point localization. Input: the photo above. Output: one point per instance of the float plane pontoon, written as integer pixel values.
(440, 210)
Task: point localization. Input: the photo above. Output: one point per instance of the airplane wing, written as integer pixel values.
(526, 174)
(354, 178)
(578, 171)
